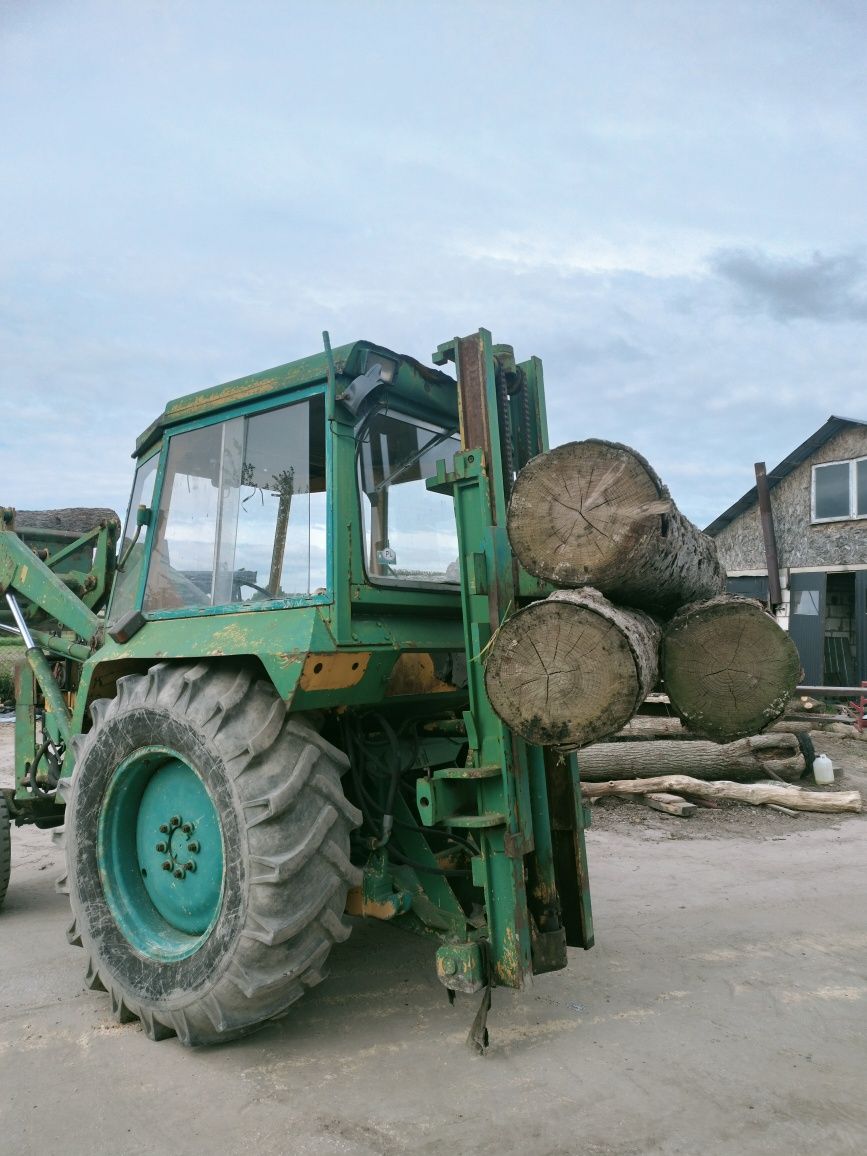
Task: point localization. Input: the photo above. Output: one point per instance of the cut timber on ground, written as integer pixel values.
(571, 669)
(595, 513)
(754, 793)
(669, 804)
(750, 758)
(729, 669)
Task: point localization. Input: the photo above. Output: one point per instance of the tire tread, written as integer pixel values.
(296, 822)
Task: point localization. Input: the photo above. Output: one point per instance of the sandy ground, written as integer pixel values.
(722, 1012)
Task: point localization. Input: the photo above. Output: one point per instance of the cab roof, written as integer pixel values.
(349, 361)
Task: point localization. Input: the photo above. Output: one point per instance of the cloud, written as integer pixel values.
(820, 288)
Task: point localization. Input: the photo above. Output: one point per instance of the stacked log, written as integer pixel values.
(74, 519)
(729, 669)
(573, 668)
(594, 517)
(595, 513)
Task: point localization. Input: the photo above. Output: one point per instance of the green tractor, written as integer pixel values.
(262, 707)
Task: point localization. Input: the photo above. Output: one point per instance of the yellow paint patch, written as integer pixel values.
(356, 904)
(333, 671)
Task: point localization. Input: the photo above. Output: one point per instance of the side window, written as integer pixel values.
(840, 490)
(409, 531)
(280, 545)
(242, 513)
(831, 484)
(127, 580)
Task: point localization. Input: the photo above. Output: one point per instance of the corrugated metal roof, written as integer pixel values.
(832, 426)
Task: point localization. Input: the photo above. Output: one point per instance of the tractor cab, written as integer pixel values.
(286, 490)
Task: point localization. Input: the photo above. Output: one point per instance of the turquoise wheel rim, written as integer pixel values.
(160, 854)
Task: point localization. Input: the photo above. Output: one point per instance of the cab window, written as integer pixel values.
(409, 531)
(242, 515)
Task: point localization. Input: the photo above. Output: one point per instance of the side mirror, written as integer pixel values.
(142, 518)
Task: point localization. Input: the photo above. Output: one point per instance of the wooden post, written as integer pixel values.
(772, 561)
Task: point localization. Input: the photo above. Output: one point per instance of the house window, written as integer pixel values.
(840, 490)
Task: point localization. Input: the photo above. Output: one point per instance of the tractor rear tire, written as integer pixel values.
(5, 847)
(207, 849)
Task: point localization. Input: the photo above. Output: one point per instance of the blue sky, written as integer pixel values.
(664, 201)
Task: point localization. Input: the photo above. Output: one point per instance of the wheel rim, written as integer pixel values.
(160, 854)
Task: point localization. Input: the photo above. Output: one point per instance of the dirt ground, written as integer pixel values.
(722, 1012)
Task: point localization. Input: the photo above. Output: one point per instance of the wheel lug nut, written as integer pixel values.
(164, 828)
(161, 847)
(175, 821)
(187, 828)
(190, 866)
(193, 846)
(167, 865)
(179, 873)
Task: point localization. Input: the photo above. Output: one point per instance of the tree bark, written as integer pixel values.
(644, 727)
(755, 793)
(754, 757)
(729, 669)
(571, 669)
(76, 519)
(595, 513)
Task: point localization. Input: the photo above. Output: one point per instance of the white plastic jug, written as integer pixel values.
(823, 770)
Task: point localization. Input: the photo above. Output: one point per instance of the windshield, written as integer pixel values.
(127, 580)
(242, 513)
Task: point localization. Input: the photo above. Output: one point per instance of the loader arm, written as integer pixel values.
(51, 590)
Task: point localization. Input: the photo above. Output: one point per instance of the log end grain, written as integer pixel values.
(729, 669)
(579, 510)
(570, 670)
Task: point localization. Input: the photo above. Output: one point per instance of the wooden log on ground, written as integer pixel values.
(754, 793)
(729, 669)
(571, 669)
(595, 513)
(645, 727)
(750, 758)
(790, 727)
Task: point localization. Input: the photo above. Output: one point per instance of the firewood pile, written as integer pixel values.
(640, 600)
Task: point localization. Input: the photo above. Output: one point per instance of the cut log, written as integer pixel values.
(595, 513)
(645, 727)
(729, 669)
(76, 519)
(750, 758)
(754, 793)
(571, 669)
(669, 804)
